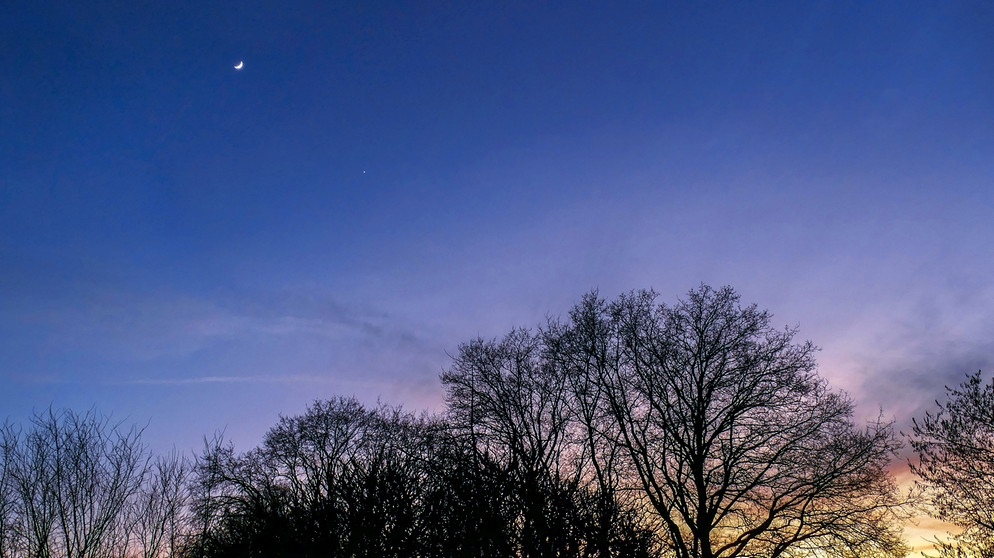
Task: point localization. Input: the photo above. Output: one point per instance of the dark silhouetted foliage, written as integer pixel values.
(722, 423)
(76, 485)
(632, 429)
(342, 480)
(712, 424)
(955, 447)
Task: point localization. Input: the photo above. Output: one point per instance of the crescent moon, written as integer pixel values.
(240, 65)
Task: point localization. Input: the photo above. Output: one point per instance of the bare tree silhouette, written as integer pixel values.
(718, 422)
(157, 513)
(631, 429)
(955, 447)
(68, 482)
(516, 408)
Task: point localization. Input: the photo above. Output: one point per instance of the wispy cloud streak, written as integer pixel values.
(274, 379)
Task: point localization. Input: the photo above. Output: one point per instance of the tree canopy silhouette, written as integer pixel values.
(955, 447)
(78, 485)
(343, 480)
(629, 429)
(718, 422)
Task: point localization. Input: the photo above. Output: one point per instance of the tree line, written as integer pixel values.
(77, 485)
(630, 428)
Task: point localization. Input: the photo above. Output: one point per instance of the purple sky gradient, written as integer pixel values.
(201, 248)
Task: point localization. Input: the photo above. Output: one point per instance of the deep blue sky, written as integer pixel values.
(205, 248)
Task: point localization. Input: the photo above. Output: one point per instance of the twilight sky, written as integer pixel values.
(207, 248)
